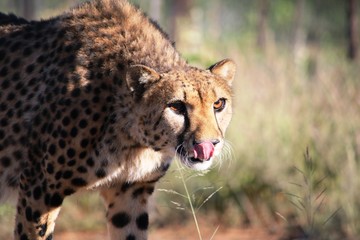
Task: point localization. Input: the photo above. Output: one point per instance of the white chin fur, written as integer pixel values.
(198, 166)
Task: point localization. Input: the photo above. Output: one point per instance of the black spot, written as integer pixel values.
(71, 163)
(117, 81)
(100, 173)
(130, 237)
(11, 96)
(62, 143)
(50, 168)
(69, 191)
(120, 66)
(84, 143)
(4, 71)
(126, 186)
(82, 169)
(2, 54)
(74, 113)
(90, 162)
(79, 182)
(76, 92)
(95, 99)
(120, 219)
(96, 117)
(28, 214)
(93, 131)
(82, 155)
(50, 237)
(67, 174)
(138, 192)
(61, 159)
(70, 153)
(19, 228)
(84, 103)
(15, 64)
(63, 133)
(5, 161)
(4, 85)
(56, 200)
(30, 68)
(150, 190)
(24, 237)
(36, 216)
(73, 132)
(52, 149)
(165, 167)
(83, 123)
(37, 193)
(16, 128)
(142, 221)
(43, 228)
(47, 199)
(66, 121)
(58, 175)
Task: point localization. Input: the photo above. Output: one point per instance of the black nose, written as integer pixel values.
(213, 141)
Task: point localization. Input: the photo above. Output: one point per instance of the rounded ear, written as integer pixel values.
(225, 68)
(138, 77)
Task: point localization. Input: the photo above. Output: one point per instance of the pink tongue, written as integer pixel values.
(204, 150)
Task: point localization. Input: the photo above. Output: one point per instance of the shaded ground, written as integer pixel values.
(184, 233)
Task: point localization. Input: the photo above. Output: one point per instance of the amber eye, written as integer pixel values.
(178, 107)
(219, 105)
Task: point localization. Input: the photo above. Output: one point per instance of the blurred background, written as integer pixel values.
(293, 157)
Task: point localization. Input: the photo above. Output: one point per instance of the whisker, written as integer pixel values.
(226, 155)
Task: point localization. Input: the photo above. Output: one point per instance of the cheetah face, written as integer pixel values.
(183, 112)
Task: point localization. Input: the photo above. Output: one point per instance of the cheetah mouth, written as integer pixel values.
(185, 157)
(193, 162)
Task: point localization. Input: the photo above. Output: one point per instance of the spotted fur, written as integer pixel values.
(98, 98)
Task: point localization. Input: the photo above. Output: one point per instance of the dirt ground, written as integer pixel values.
(184, 233)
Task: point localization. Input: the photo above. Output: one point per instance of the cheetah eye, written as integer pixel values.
(178, 107)
(219, 105)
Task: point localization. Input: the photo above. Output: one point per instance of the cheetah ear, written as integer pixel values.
(225, 68)
(139, 77)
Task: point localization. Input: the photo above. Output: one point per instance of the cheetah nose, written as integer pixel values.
(203, 150)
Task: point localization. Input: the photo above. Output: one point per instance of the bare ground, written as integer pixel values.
(188, 232)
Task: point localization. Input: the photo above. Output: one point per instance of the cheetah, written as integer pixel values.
(98, 98)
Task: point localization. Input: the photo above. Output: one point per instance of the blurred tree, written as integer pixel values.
(178, 9)
(155, 9)
(299, 34)
(263, 12)
(352, 34)
(25, 8)
(29, 8)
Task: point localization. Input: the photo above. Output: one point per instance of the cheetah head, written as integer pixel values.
(183, 112)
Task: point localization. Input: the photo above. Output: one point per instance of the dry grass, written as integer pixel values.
(282, 106)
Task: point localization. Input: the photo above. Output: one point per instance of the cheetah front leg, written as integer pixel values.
(37, 207)
(127, 214)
